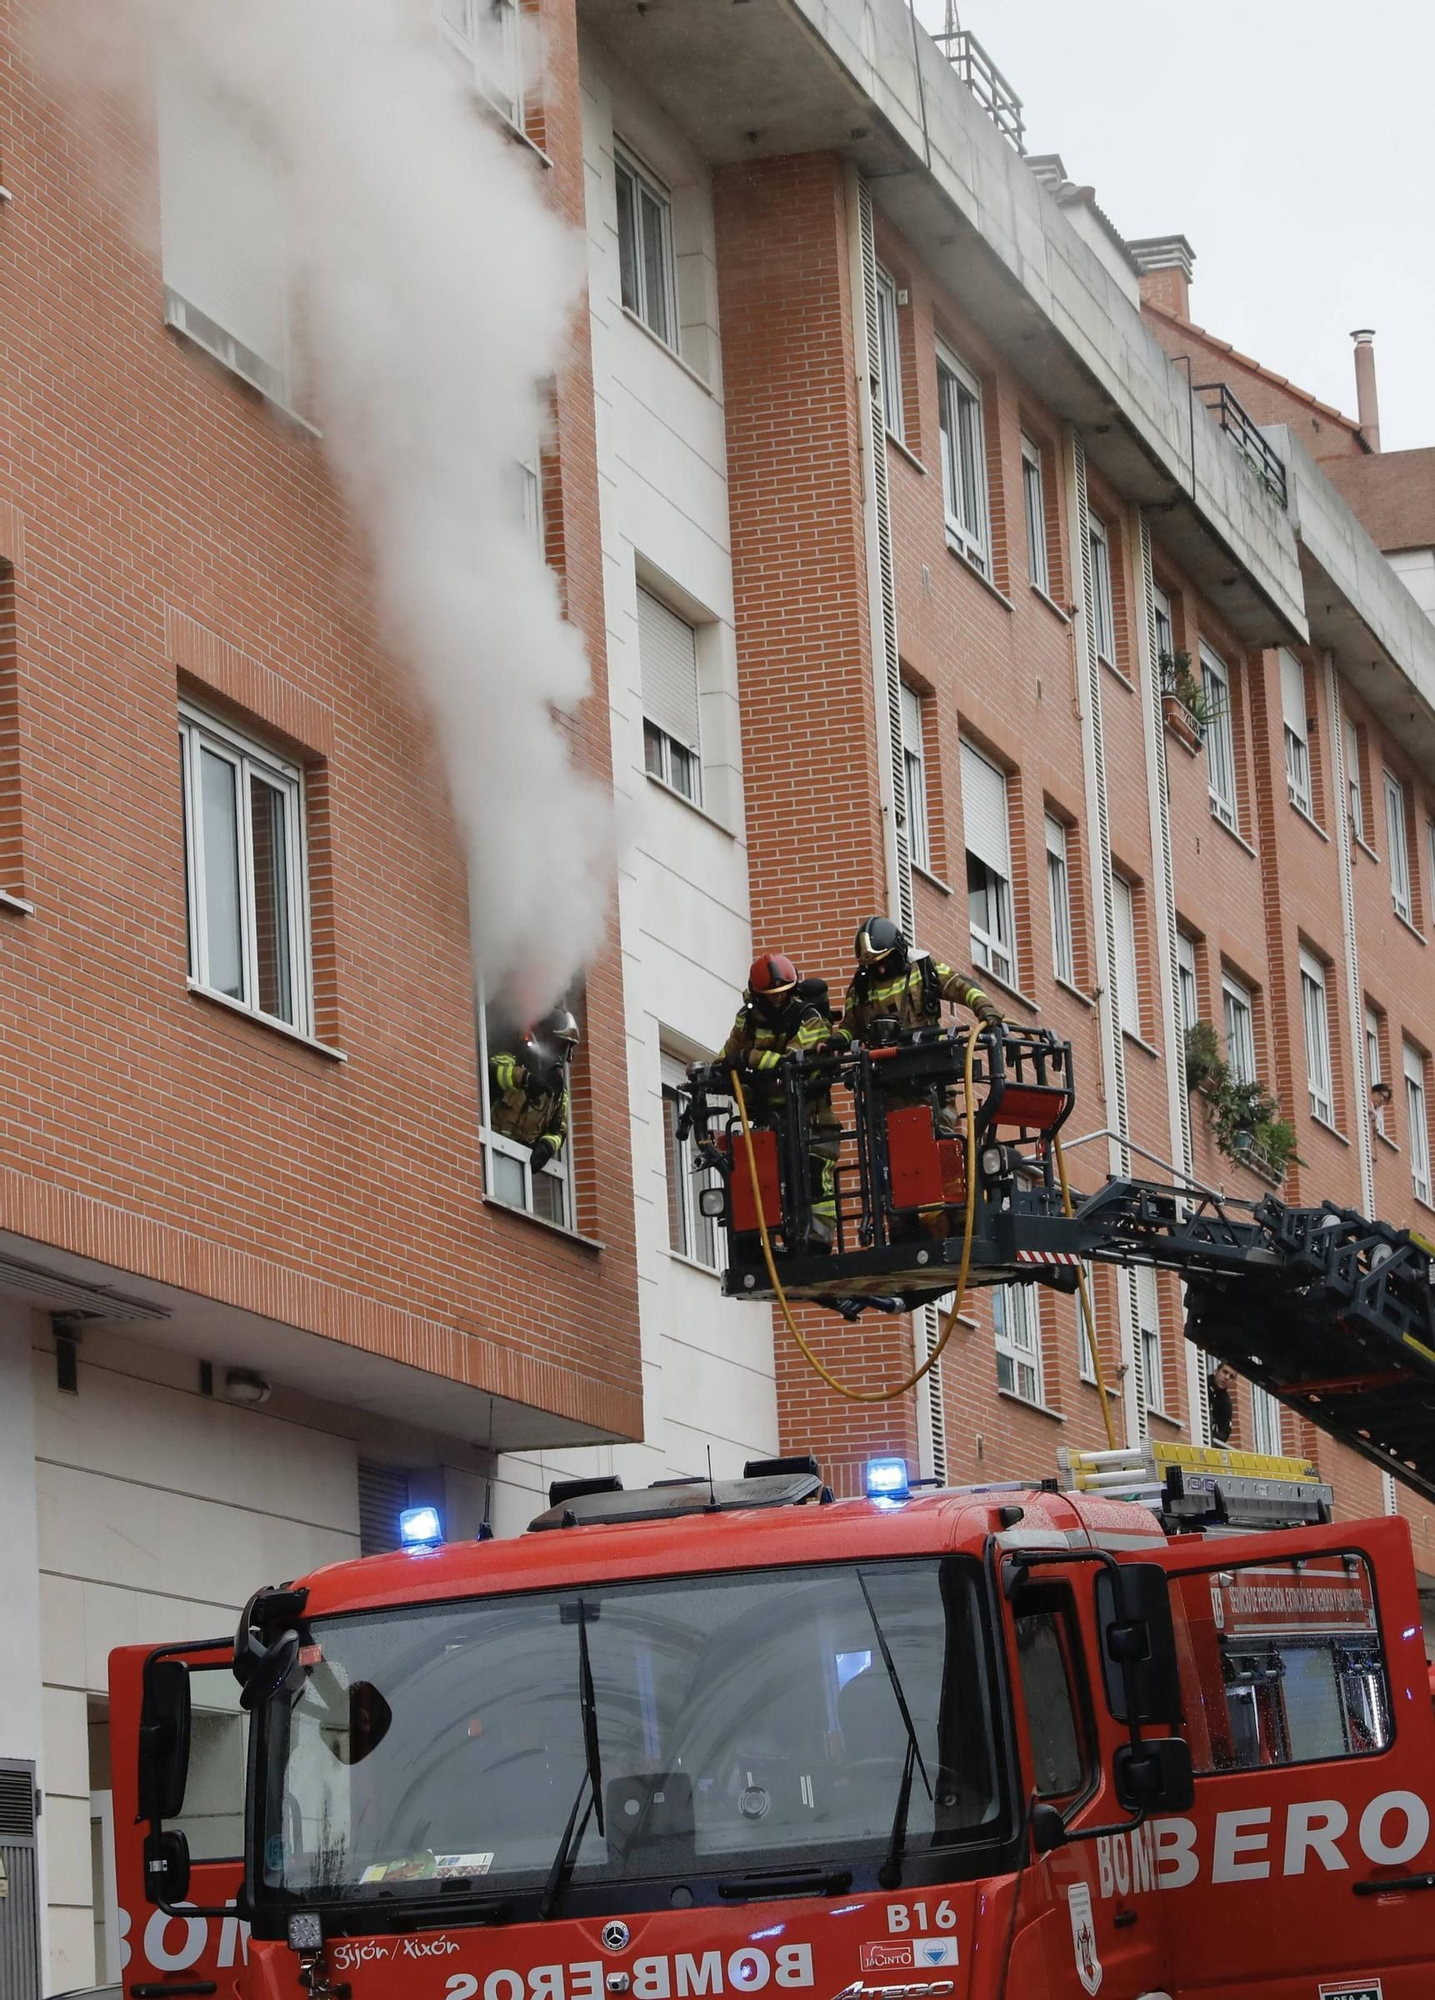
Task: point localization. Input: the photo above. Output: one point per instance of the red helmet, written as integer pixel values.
(773, 972)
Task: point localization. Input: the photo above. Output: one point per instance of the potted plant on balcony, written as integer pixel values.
(1204, 1064)
(1184, 706)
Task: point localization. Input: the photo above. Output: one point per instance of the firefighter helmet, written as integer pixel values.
(770, 974)
(878, 938)
(559, 1026)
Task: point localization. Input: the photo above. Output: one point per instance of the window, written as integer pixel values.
(690, 1233)
(988, 843)
(1038, 568)
(645, 250)
(668, 659)
(1297, 727)
(1046, 1653)
(1240, 1030)
(1085, 1359)
(889, 353)
(1399, 846)
(1354, 795)
(1188, 1003)
(1058, 883)
(211, 1816)
(1418, 1120)
(1128, 989)
(1103, 618)
(1148, 1338)
(1018, 1338)
(914, 765)
(1220, 739)
(1265, 1422)
(509, 1175)
(1165, 629)
(1374, 1069)
(1281, 1663)
(486, 35)
(1430, 861)
(964, 460)
(1317, 1037)
(246, 899)
(222, 236)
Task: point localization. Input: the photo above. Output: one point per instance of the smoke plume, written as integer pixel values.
(436, 289)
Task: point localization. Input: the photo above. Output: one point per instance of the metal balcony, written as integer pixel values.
(1238, 424)
(983, 79)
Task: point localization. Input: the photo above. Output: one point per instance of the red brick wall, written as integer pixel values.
(175, 533)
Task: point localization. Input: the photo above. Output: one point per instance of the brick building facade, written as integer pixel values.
(888, 523)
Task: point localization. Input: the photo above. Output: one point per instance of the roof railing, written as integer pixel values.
(1238, 424)
(984, 80)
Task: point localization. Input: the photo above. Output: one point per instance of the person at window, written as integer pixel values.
(528, 1087)
(1380, 1101)
(894, 983)
(1221, 1400)
(782, 1015)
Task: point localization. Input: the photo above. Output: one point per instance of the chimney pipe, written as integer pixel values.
(1366, 403)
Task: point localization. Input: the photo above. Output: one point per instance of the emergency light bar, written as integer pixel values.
(420, 1528)
(888, 1479)
(1194, 1486)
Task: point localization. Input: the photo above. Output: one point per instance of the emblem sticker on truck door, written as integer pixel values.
(1358, 1989)
(1083, 1936)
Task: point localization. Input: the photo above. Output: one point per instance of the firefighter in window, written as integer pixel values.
(528, 1087)
(783, 1015)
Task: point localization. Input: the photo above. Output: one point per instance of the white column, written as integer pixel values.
(21, 1708)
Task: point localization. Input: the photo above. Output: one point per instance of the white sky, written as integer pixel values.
(1289, 141)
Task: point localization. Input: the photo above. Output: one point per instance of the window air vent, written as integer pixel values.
(17, 1802)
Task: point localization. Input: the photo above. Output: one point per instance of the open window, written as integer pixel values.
(1054, 1690)
(516, 1115)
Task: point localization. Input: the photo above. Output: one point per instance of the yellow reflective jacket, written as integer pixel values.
(518, 1116)
(763, 1039)
(912, 997)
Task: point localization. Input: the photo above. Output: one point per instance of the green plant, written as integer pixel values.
(1275, 1141)
(1204, 1063)
(1178, 678)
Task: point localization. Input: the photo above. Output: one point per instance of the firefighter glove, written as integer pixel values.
(542, 1153)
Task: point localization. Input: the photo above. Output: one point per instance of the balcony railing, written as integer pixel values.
(983, 79)
(1238, 424)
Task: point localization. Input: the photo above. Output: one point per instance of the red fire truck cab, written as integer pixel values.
(731, 1738)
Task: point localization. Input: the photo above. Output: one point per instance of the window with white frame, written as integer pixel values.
(1037, 565)
(646, 263)
(509, 1175)
(487, 35)
(1417, 1118)
(988, 845)
(1297, 731)
(1085, 1358)
(1353, 790)
(1188, 999)
(914, 766)
(222, 236)
(246, 894)
(1103, 614)
(1220, 738)
(668, 660)
(1018, 1341)
(1058, 886)
(889, 352)
(1265, 1422)
(1148, 1335)
(1165, 629)
(1240, 1024)
(1128, 984)
(691, 1234)
(964, 460)
(1430, 861)
(1317, 1037)
(1395, 834)
(1374, 1067)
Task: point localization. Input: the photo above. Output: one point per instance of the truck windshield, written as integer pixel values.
(744, 1721)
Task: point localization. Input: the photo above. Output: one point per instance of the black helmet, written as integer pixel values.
(878, 938)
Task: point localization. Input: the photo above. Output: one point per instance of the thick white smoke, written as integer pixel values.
(436, 289)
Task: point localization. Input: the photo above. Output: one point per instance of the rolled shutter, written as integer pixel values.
(668, 653)
(1293, 704)
(984, 812)
(383, 1496)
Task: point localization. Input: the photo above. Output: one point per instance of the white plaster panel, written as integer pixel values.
(72, 1948)
(65, 1830)
(67, 1743)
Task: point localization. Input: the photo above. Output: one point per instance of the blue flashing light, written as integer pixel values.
(888, 1479)
(420, 1527)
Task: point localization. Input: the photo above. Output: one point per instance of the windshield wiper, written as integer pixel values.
(890, 1873)
(591, 1782)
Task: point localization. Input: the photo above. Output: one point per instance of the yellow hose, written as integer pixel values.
(1087, 1313)
(871, 1395)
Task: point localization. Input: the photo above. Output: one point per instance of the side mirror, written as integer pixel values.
(1139, 1641)
(163, 1739)
(166, 1867)
(1155, 1776)
(269, 1671)
(1048, 1829)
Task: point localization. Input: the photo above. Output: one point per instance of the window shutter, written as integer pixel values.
(1127, 987)
(383, 1496)
(911, 720)
(1293, 704)
(668, 652)
(984, 812)
(222, 231)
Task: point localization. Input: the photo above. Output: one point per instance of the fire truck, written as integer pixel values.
(1154, 1725)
